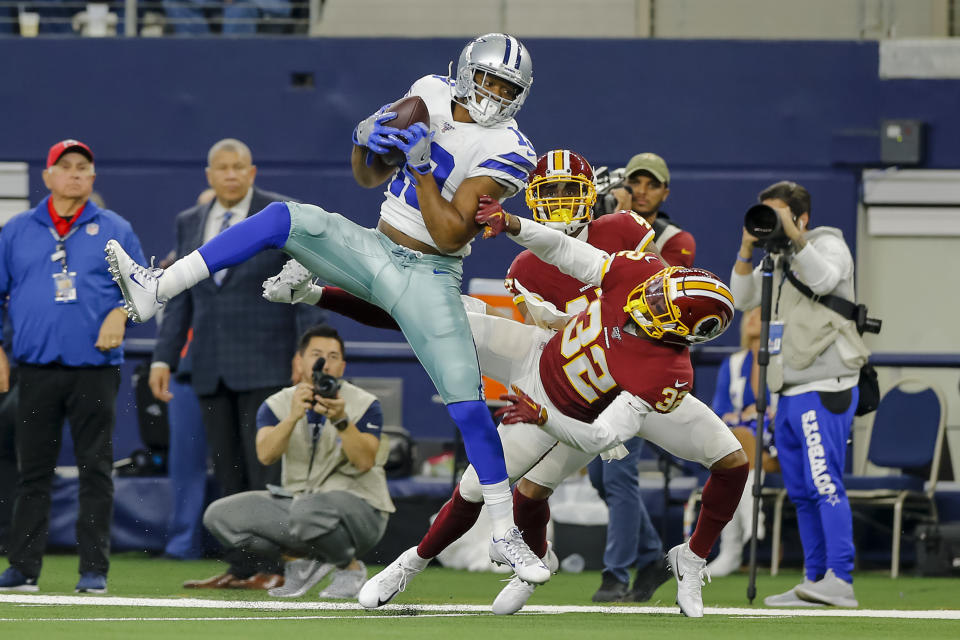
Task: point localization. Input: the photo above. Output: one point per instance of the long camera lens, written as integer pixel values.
(763, 223)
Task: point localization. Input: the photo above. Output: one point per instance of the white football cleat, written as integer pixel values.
(513, 551)
(137, 283)
(293, 284)
(690, 570)
(381, 588)
(514, 596)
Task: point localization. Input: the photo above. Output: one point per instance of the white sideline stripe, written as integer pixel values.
(280, 605)
(237, 618)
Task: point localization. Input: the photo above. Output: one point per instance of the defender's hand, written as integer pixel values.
(491, 215)
(522, 408)
(292, 285)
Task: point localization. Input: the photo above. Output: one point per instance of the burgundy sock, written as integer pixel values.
(531, 517)
(455, 519)
(721, 495)
(346, 304)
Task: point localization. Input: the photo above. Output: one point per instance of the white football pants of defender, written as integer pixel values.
(509, 352)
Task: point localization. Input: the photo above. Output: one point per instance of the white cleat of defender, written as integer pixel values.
(514, 596)
(513, 551)
(381, 588)
(137, 283)
(690, 570)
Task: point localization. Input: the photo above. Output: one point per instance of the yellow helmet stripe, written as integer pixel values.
(690, 285)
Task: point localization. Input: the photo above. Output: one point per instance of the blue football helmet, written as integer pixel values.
(499, 55)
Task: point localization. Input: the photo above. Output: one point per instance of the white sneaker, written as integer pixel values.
(293, 284)
(299, 576)
(514, 596)
(790, 598)
(513, 551)
(381, 588)
(829, 590)
(137, 283)
(690, 570)
(346, 583)
(730, 557)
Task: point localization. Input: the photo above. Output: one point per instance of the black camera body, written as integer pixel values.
(606, 181)
(324, 384)
(763, 223)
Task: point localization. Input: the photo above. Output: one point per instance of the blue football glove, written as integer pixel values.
(415, 144)
(373, 134)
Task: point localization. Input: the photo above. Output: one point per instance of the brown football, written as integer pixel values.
(409, 110)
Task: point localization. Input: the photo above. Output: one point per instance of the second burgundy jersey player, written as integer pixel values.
(624, 231)
(588, 364)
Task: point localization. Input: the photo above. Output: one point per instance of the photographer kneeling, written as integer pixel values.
(333, 505)
(816, 355)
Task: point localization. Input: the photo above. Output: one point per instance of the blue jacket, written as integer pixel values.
(45, 332)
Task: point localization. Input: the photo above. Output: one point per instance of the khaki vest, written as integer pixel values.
(818, 343)
(330, 469)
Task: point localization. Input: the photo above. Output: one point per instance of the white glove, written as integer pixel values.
(294, 284)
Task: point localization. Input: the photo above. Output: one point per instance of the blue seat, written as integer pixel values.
(907, 434)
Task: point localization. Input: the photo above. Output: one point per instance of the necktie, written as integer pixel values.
(224, 224)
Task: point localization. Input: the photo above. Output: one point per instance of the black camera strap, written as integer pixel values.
(842, 306)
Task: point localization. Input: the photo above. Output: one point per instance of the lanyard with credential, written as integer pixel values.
(65, 282)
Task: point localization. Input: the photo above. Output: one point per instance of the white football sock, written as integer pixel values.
(499, 501)
(181, 275)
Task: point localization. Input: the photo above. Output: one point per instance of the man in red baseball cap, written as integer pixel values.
(58, 150)
(68, 327)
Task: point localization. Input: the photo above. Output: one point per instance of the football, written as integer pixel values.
(409, 110)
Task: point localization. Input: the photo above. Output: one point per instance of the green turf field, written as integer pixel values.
(146, 601)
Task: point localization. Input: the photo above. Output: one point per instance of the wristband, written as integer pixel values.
(341, 424)
(742, 259)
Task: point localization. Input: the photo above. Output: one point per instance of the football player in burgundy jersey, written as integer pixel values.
(597, 359)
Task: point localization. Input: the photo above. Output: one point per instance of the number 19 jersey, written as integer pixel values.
(459, 150)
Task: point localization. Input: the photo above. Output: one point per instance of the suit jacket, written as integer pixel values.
(238, 337)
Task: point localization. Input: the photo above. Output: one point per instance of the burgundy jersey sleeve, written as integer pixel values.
(621, 231)
(680, 250)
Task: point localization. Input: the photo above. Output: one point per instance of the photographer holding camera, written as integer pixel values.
(816, 356)
(645, 185)
(333, 504)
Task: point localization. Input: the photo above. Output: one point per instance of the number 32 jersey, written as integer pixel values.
(459, 150)
(585, 366)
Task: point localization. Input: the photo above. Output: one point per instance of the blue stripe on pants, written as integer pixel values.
(812, 444)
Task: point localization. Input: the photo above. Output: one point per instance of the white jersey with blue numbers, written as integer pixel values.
(459, 150)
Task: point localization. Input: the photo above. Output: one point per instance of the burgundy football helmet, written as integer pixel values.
(682, 306)
(560, 191)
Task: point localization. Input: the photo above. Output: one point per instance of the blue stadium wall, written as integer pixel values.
(730, 117)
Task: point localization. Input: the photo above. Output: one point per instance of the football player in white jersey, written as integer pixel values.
(410, 265)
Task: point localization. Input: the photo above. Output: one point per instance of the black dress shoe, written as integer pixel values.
(648, 580)
(611, 589)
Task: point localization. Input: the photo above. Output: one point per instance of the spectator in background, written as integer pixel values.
(193, 17)
(68, 323)
(333, 503)
(242, 344)
(735, 402)
(646, 187)
(816, 371)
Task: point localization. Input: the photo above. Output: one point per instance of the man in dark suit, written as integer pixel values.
(242, 345)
